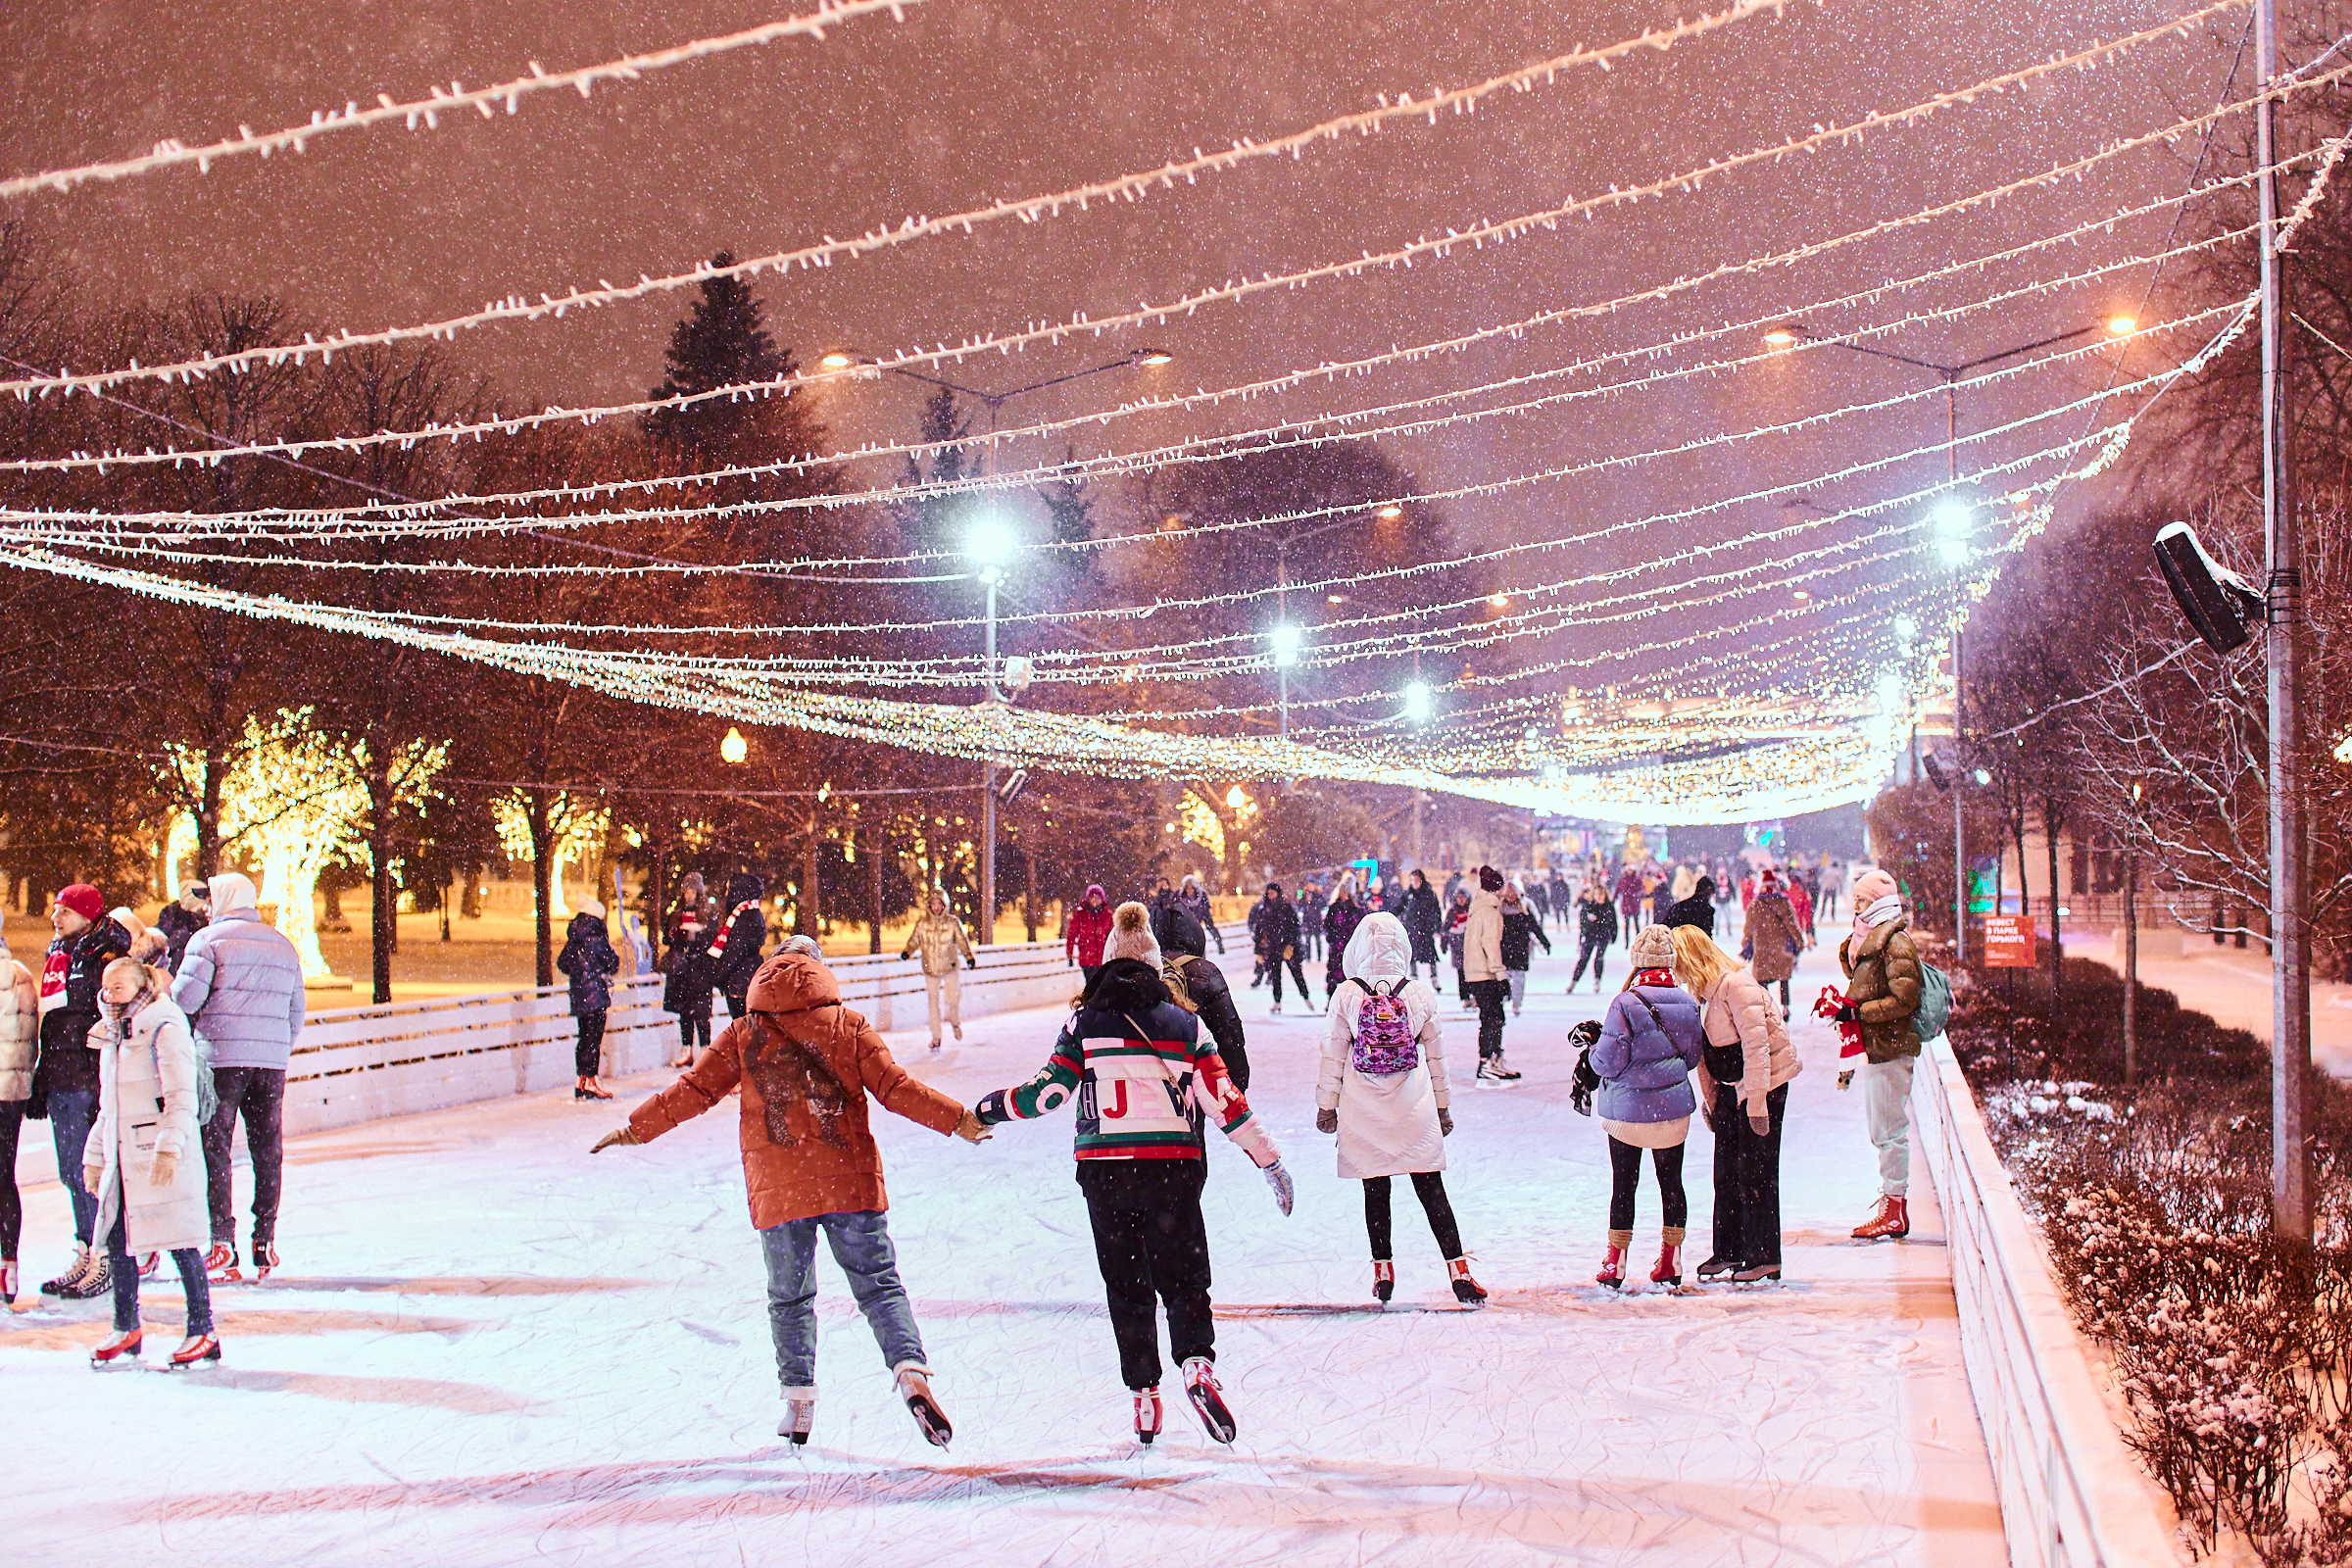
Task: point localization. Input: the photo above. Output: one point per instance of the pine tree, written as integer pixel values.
(927, 521)
(723, 342)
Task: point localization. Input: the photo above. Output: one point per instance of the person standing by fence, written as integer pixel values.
(589, 962)
(1883, 987)
(240, 987)
(20, 1041)
(735, 947)
(686, 981)
(65, 1075)
(1083, 932)
(940, 937)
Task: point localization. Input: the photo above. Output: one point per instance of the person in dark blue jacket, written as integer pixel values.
(1649, 1042)
(735, 946)
(590, 963)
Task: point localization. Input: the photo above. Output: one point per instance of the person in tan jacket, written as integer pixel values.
(940, 938)
(1483, 973)
(1746, 1063)
(805, 1064)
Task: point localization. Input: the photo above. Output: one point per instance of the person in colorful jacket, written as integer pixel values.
(1085, 932)
(940, 938)
(804, 1065)
(64, 1076)
(1145, 1083)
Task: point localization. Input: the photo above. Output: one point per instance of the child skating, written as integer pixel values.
(1144, 1082)
(1382, 1089)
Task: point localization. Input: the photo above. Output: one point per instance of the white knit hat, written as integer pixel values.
(1131, 935)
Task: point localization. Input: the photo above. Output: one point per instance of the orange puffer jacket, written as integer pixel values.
(804, 1064)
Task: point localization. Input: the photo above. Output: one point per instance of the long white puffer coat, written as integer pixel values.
(1388, 1124)
(147, 1103)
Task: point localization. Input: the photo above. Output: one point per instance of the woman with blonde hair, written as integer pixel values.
(151, 1196)
(1744, 1066)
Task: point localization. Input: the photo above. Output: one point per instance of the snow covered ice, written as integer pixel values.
(489, 1347)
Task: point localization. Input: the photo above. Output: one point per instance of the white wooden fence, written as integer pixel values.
(2072, 1494)
(355, 1064)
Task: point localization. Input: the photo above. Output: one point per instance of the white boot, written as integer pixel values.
(800, 1415)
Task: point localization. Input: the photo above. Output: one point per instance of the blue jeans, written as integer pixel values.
(860, 1243)
(124, 1275)
(72, 1115)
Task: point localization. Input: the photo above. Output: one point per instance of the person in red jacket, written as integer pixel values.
(1085, 932)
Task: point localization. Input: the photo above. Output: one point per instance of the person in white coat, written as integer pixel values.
(20, 1040)
(1746, 1063)
(143, 1159)
(1382, 1089)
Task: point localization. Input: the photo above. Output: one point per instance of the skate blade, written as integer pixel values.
(933, 1422)
(1215, 1419)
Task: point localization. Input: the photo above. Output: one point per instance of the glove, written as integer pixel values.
(1327, 1122)
(1280, 1180)
(167, 1166)
(1445, 1122)
(972, 1129)
(1070, 962)
(971, 963)
(619, 1135)
(1759, 1123)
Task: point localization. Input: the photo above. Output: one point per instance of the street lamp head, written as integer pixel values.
(1286, 641)
(991, 545)
(1153, 357)
(1419, 701)
(2122, 325)
(734, 748)
(1906, 628)
(1784, 334)
(1235, 800)
(838, 361)
(1954, 520)
(1390, 512)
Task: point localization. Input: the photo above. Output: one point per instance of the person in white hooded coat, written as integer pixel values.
(143, 1159)
(1382, 1089)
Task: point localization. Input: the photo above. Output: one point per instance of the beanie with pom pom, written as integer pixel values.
(1130, 936)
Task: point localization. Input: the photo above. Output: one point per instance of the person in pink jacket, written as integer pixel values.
(1085, 931)
(1746, 1063)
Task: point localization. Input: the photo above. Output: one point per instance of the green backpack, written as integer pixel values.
(1935, 1002)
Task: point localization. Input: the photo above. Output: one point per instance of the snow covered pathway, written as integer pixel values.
(490, 1348)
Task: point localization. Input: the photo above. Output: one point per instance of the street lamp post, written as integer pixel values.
(994, 402)
(1793, 333)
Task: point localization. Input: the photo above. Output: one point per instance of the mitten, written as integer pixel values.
(971, 963)
(1280, 1180)
(1327, 1122)
(1829, 1003)
(1445, 1123)
(167, 1166)
(619, 1135)
(972, 1129)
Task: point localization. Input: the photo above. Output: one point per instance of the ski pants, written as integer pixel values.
(1625, 1177)
(1748, 1178)
(259, 1095)
(860, 1244)
(1487, 995)
(1430, 1187)
(1274, 968)
(122, 1273)
(1596, 951)
(1886, 1104)
(951, 986)
(588, 1052)
(1151, 1241)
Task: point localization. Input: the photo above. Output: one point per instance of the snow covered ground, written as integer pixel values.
(489, 1348)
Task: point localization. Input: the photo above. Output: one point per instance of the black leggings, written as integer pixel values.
(1625, 1174)
(588, 1056)
(690, 1029)
(1430, 1187)
(1594, 953)
(12, 1207)
(1274, 968)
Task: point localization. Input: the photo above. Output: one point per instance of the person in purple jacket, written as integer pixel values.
(1649, 1044)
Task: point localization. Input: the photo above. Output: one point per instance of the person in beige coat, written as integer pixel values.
(143, 1159)
(1745, 1067)
(1483, 973)
(19, 1036)
(941, 939)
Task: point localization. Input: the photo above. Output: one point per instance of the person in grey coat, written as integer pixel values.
(240, 985)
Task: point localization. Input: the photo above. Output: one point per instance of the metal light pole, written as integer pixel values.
(2290, 950)
(841, 360)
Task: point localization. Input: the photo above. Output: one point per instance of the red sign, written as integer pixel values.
(2008, 942)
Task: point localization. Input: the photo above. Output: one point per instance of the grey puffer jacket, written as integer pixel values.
(240, 983)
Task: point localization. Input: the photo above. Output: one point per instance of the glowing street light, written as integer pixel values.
(1153, 357)
(1779, 337)
(838, 361)
(1235, 800)
(1954, 520)
(2122, 325)
(1419, 702)
(1389, 513)
(734, 748)
(1286, 641)
(1906, 629)
(990, 546)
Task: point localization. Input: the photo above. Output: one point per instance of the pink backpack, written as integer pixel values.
(1384, 1034)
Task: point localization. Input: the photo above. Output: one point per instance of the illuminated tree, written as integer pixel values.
(578, 826)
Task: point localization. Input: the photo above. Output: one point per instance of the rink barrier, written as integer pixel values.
(357, 1065)
(2072, 1493)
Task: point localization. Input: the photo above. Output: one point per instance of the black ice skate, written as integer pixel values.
(915, 1387)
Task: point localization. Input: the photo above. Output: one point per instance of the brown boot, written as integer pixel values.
(1892, 1219)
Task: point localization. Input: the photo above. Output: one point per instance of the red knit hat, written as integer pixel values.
(83, 900)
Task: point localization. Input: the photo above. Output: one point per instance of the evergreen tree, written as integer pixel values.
(928, 521)
(724, 342)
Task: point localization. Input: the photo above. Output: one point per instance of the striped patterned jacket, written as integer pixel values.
(1146, 1082)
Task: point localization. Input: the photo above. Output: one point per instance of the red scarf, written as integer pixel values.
(1654, 977)
(719, 944)
(53, 975)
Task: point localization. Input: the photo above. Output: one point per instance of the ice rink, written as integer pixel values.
(488, 1348)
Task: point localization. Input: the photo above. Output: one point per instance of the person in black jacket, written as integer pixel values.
(1697, 909)
(1521, 931)
(735, 946)
(1421, 916)
(1595, 929)
(65, 1075)
(590, 964)
(686, 982)
(182, 920)
(1275, 924)
(1199, 987)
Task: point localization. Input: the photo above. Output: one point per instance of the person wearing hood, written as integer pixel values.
(686, 980)
(1695, 908)
(1651, 1041)
(20, 1041)
(1195, 900)
(240, 986)
(1522, 929)
(64, 1076)
(1422, 916)
(1086, 930)
(1145, 1083)
(735, 946)
(1274, 928)
(589, 964)
(1770, 938)
(1338, 926)
(1483, 972)
(1745, 1067)
(1199, 987)
(137, 1160)
(805, 1064)
(1382, 1089)
(940, 940)
(1883, 987)
(1595, 929)
(182, 920)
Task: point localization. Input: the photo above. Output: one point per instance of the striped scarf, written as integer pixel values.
(719, 944)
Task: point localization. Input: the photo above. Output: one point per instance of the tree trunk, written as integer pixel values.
(542, 905)
(2050, 820)
(207, 816)
(383, 923)
(874, 861)
(806, 912)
